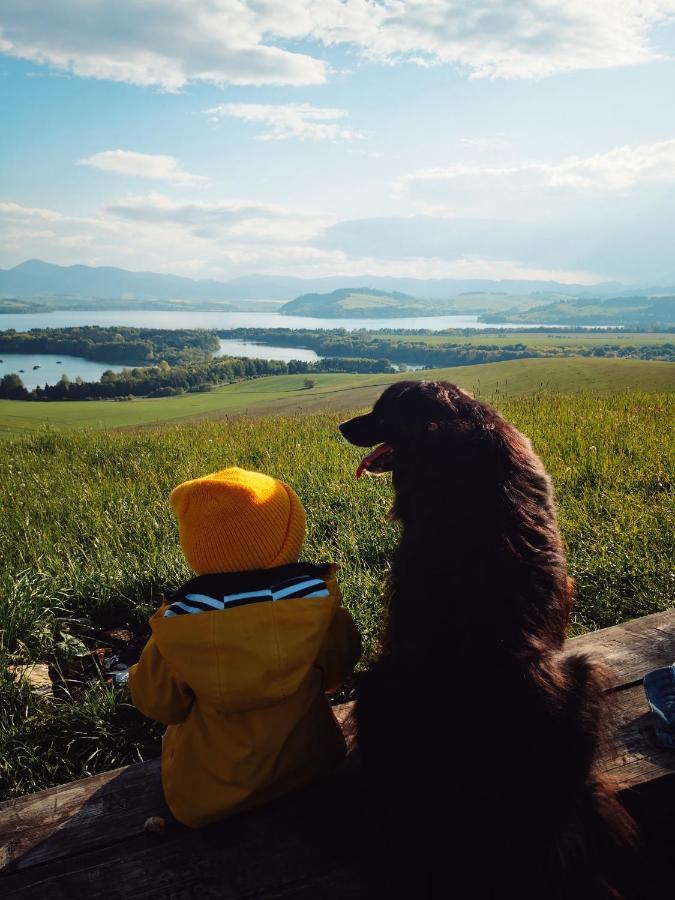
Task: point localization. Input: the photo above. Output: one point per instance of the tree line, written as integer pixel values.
(166, 381)
(369, 344)
(115, 344)
(364, 344)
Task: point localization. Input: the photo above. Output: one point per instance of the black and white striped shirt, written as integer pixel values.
(208, 593)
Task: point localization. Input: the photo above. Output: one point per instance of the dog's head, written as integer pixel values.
(413, 418)
(475, 504)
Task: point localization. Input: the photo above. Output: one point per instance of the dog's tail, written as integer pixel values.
(599, 854)
(601, 846)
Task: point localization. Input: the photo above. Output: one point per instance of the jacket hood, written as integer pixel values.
(247, 640)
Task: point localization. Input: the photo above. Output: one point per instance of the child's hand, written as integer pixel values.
(155, 825)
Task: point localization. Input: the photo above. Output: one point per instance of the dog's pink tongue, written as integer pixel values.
(367, 461)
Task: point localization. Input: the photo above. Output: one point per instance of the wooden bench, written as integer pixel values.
(86, 839)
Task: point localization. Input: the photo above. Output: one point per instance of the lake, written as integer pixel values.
(50, 371)
(182, 319)
(265, 351)
(51, 368)
(255, 349)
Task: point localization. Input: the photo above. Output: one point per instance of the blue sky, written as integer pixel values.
(447, 138)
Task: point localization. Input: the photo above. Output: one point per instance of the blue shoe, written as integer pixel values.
(660, 690)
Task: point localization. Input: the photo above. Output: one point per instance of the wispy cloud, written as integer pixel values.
(151, 232)
(286, 121)
(175, 42)
(15, 211)
(142, 165)
(225, 239)
(614, 170)
(577, 185)
(241, 220)
(485, 142)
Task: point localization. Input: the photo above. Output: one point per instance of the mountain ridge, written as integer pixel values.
(35, 278)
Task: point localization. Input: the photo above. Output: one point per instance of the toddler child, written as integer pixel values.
(241, 657)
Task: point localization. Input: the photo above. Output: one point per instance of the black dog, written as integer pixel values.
(479, 738)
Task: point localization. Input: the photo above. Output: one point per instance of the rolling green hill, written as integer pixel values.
(370, 303)
(475, 302)
(363, 303)
(287, 394)
(494, 307)
(642, 310)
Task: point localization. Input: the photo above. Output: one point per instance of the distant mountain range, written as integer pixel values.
(36, 280)
(36, 286)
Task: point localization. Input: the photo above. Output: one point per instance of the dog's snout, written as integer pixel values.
(360, 431)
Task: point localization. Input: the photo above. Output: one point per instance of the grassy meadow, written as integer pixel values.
(86, 531)
(287, 393)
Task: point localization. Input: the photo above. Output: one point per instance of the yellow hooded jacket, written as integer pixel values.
(237, 666)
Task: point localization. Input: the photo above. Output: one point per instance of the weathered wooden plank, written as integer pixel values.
(635, 757)
(632, 648)
(90, 813)
(296, 847)
(85, 814)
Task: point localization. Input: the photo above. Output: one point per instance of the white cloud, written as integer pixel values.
(11, 210)
(164, 43)
(142, 165)
(290, 120)
(431, 267)
(616, 169)
(530, 188)
(168, 43)
(31, 217)
(151, 233)
(238, 220)
(497, 39)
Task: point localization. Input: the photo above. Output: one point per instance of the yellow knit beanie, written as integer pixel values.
(235, 520)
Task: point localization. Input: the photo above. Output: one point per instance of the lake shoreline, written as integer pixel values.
(228, 320)
(263, 339)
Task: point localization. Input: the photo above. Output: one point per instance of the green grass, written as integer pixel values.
(483, 301)
(356, 300)
(86, 530)
(287, 394)
(544, 339)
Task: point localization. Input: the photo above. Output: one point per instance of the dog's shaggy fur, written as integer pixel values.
(479, 737)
